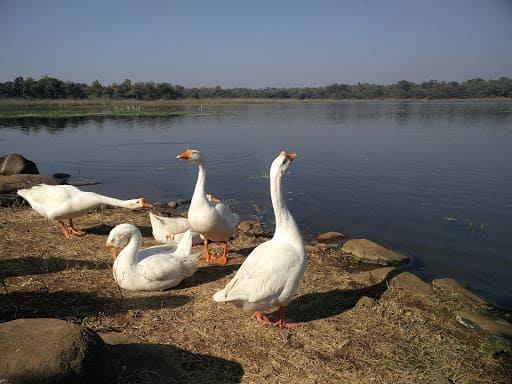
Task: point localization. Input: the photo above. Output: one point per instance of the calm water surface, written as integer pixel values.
(431, 180)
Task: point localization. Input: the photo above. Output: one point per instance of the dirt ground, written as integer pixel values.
(398, 337)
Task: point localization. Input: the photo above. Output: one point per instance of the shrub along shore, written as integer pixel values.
(65, 108)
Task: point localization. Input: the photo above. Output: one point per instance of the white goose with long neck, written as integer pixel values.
(272, 272)
(153, 268)
(286, 227)
(60, 202)
(214, 222)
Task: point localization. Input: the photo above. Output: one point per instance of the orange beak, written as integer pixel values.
(212, 198)
(185, 155)
(290, 156)
(113, 250)
(145, 204)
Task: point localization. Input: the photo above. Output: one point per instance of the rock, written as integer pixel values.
(52, 351)
(172, 204)
(373, 277)
(458, 288)
(14, 164)
(369, 252)
(365, 302)
(330, 237)
(310, 248)
(495, 325)
(411, 282)
(11, 183)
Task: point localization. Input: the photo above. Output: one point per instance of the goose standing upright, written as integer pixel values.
(154, 268)
(170, 230)
(60, 202)
(272, 272)
(214, 222)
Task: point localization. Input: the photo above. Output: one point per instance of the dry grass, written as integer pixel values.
(402, 338)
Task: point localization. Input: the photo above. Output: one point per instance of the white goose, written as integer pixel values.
(272, 272)
(170, 230)
(60, 202)
(154, 268)
(214, 222)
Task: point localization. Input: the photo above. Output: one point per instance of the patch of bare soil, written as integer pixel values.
(400, 337)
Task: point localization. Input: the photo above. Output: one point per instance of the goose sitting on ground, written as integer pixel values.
(154, 268)
(214, 222)
(170, 230)
(272, 272)
(61, 202)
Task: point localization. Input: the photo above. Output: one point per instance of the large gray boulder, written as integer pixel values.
(52, 351)
(368, 251)
(14, 164)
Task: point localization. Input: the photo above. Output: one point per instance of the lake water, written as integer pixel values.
(430, 180)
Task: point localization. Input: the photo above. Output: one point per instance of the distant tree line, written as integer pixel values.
(52, 88)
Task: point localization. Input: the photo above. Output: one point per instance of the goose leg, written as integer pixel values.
(73, 230)
(224, 258)
(208, 256)
(282, 323)
(67, 231)
(261, 317)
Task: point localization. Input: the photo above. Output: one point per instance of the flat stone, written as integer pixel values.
(373, 277)
(410, 282)
(52, 351)
(368, 251)
(12, 183)
(458, 288)
(330, 237)
(488, 322)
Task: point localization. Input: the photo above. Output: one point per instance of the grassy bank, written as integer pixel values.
(16, 108)
(63, 108)
(352, 329)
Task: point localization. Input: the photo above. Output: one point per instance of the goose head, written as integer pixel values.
(119, 237)
(138, 203)
(191, 155)
(281, 163)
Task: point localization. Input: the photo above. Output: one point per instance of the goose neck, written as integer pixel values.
(128, 255)
(199, 190)
(285, 224)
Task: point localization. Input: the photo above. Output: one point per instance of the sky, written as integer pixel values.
(256, 44)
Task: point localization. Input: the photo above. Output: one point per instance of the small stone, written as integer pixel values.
(310, 248)
(411, 282)
(365, 301)
(493, 324)
(330, 237)
(172, 204)
(369, 252)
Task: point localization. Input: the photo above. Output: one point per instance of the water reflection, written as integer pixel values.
(391, 172)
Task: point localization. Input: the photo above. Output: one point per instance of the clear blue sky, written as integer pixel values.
(256, 44)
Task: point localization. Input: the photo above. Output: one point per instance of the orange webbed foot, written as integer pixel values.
(261, 317)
